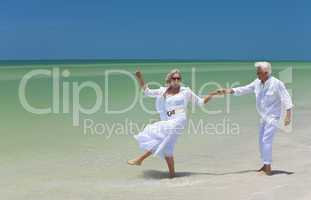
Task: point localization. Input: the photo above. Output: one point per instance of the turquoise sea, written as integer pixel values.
(48, 156)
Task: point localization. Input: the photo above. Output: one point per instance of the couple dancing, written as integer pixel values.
(160, 137)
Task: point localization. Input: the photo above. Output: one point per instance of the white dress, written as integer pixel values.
(160, 137)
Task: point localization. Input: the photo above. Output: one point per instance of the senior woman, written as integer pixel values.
(160, 137)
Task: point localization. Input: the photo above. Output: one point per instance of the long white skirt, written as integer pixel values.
(160, 137)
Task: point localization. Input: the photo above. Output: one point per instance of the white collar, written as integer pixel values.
(266, 83)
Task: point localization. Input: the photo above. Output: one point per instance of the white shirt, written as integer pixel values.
(270, 96)
(177, 101)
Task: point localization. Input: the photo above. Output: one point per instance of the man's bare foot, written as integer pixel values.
(263, 173)
(134, 162)
(172, 175)
(261, 169)
(265, 170)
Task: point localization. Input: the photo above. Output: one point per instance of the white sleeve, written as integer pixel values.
(247, 89)
(195, 99)
(285, 97)
(152, 92)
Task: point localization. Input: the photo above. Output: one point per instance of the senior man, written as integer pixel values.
(270, 94)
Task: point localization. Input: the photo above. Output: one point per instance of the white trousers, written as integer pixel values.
(266, 134)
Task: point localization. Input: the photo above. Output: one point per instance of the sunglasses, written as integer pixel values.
(176, 78)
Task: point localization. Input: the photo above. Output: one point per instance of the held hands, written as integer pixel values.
(224, 91)
(221, 91)
(218, 92)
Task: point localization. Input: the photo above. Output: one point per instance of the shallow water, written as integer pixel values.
(46, 157)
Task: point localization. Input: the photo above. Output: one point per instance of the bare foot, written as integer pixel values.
(134, 162)
(261, 169)
(171, 175)
(268, 170)
(263, 173)
(265, 170)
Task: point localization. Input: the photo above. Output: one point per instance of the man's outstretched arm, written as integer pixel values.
(225, 91)
(238, 91)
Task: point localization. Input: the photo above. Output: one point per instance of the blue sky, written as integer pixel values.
(240, 29)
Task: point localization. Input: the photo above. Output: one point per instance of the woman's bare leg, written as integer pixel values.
(139, 160)
(170, 165)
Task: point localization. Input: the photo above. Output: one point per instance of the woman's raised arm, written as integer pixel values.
(140, 79)
(143, 85)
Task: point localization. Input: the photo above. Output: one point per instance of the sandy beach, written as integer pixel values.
(46, 157)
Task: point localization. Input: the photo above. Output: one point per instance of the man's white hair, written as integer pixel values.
(265, 66)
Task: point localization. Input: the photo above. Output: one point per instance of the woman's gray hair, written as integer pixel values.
(170, 75)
